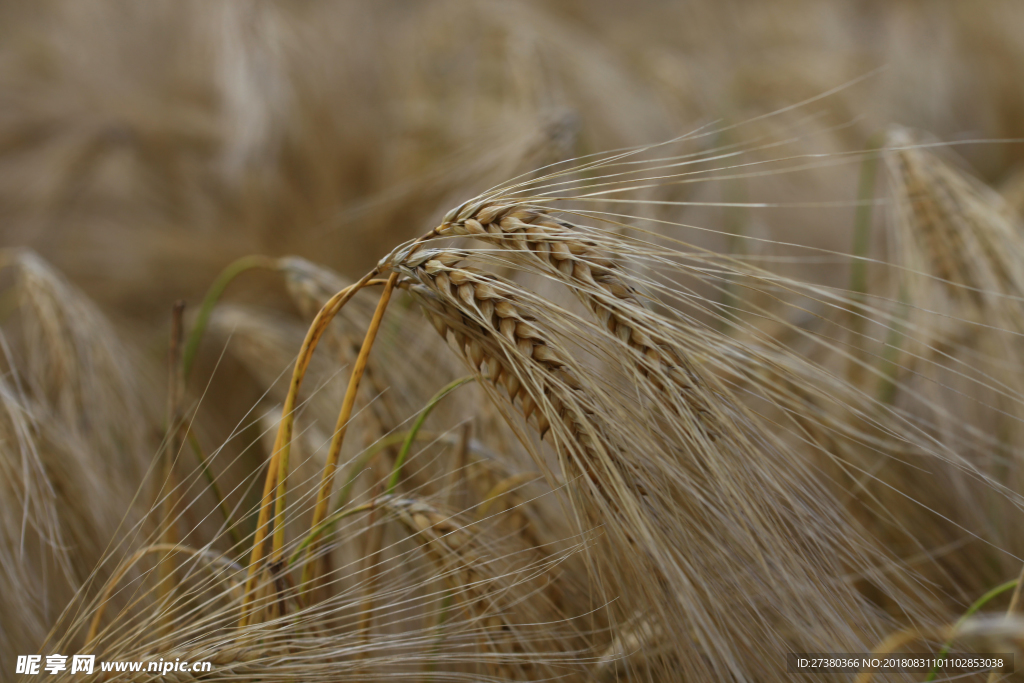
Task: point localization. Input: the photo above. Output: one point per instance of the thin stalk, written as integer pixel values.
(213, 295)
(374, 546)
(282, 442)
(862, 225)
(890, 356)
(978, 604)
(168, 491)
(735, 221)
(346, 491)
(340, 428)
(454, 486)
(214, 488)
(335, 517)
(364, 459)
(396, 472)
(864, 218)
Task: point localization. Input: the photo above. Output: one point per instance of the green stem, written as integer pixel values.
(890, 355)
(364, 459)
(735, 221)
(357, 468)
(978, 604)
(396, 472)
(232, 271)
(863, 223)
(221, 504)
(863, 220)
(327, 523)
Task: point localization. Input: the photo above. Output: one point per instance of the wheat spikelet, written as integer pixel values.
(560, 249)
(492, 301)
(957, 230)
(961, 282)
(500, 592)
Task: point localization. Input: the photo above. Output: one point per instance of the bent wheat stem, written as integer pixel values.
(861, 244)
(341, 427)
(364, 459)
(323, 526)
(282, 442)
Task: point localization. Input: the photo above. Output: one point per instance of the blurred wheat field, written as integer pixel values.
(510, 341)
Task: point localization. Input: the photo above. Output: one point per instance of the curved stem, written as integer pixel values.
(335, 517)
(863, 224)
(364, 459)
(340, 428)
(232, 271)
(978, 604)
(396, 472)
(282, 442)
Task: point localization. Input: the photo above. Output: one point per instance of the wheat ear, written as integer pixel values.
(563, 251)
(447, 290)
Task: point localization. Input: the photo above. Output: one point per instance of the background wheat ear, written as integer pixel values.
(950, 346)
(75, 422)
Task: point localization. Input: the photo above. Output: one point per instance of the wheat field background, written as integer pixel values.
(510, 341)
